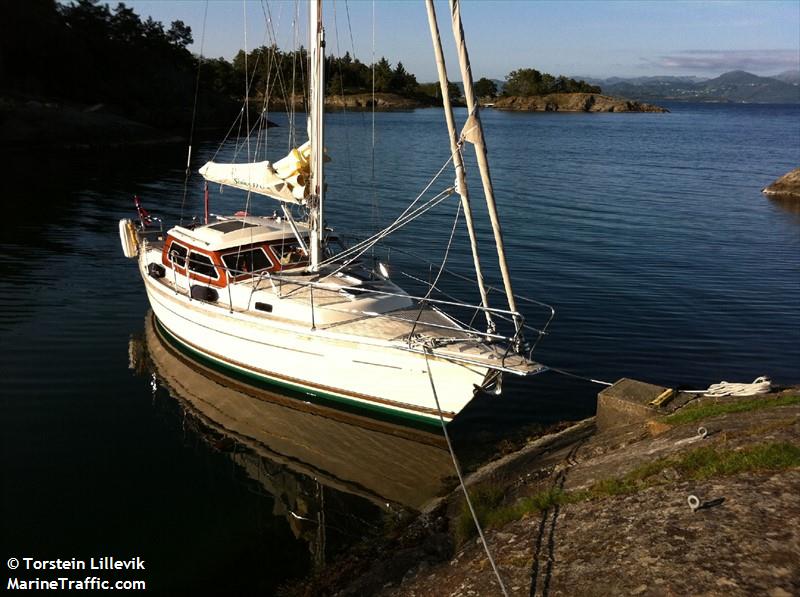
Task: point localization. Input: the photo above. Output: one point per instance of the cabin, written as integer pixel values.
(232, 250)
(259, 264)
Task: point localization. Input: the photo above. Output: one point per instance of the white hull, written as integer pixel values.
(366, 373)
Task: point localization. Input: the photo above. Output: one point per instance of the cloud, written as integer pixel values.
(726, 60)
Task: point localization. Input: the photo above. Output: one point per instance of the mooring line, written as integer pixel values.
(426, 351)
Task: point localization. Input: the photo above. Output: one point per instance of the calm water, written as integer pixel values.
(646, 232)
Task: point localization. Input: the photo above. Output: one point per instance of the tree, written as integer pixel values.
(403, 81)
(383, 75)
(485, 88)
(179, 34)
(529, 81)
(524, 82)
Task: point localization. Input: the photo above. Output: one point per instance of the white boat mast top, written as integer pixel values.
(316, 129)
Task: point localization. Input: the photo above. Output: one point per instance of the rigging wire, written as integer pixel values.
(194, 113)
(246, 108)
(438, 275)
(400, 221)
(365, 245)
(341, 90)
(576, 376)
(427, 351)
(278, 64)
(375, 209)
(295, 49)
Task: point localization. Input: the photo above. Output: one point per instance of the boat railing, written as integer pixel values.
(460, 330)
(520, 324)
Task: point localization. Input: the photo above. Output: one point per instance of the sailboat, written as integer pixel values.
(275, 300)
(305, 441)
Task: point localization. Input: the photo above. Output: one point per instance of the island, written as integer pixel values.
(787, 186)
(573, 102)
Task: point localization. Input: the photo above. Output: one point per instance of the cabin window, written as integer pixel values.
(231, 226)
(245, 261)
(201, 264)
(290, 254)
(177, 254)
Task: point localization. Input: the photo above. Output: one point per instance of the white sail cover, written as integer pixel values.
(285, 180)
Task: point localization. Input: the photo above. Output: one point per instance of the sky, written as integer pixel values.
(574, 38)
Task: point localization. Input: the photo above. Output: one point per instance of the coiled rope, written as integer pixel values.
(760, 385)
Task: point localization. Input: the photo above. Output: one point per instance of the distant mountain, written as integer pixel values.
(644, 80)
(788, 76)
(741, 86)
(735, 86)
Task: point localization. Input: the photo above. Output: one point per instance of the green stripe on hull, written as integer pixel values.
(299, 392)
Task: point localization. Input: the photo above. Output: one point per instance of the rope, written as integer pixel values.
(575, 375)
(427, 350)
(760, 385)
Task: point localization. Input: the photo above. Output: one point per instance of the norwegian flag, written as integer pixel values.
(144, 216)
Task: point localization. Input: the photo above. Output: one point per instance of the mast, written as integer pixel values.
(458, 159)
(475, 135)
(316, 129)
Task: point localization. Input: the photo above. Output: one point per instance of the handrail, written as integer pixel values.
(320, 282)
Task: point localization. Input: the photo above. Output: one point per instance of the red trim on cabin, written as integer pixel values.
(270, 256)
(220, 282)
(216, 259)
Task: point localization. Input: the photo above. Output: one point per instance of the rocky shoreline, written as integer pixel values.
(382, 102)
(787, 186)
(573, 102)
(598, 510)
(35, 123)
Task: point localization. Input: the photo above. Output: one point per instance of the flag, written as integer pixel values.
(144, 215)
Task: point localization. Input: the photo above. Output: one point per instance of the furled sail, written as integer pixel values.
(285, 180)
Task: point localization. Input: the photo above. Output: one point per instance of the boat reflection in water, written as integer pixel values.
(325, 469)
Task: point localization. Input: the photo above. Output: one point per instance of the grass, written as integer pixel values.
(486, 500)
(699, 464)
(492, 513)
(696, 413)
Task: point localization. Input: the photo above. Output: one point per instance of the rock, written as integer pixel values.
(671, 473)
(787, 186)
(644, 542)
(573, 102)
(364, 101)
(383, 102)
(36, 125)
